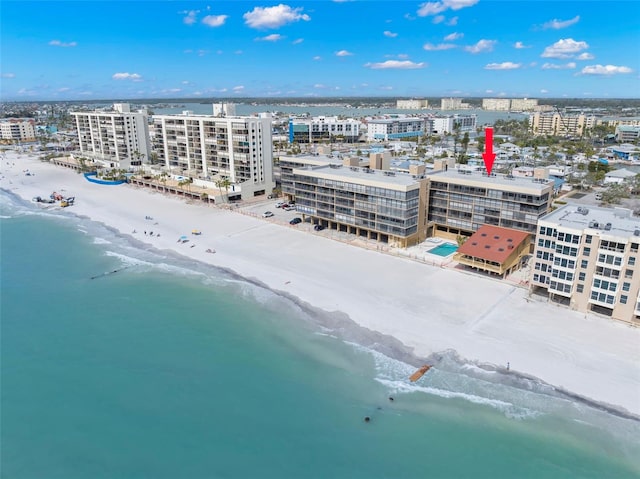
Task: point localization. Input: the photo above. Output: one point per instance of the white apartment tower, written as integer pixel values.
(587, 258)
(120, 136)
(238, 149)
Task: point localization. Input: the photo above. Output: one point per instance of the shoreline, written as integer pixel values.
(583, 357)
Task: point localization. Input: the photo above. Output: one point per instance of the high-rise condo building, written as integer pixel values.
(119, 137)
(557, 124)
(587, 258)
(237, 149)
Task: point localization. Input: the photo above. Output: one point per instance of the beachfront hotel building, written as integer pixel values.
(588, 258)
(556, 124)
(461, 201)
(118, 137)
(16, 130)
(379, 205)
(324, 129)
(237, 149)
(385, 129)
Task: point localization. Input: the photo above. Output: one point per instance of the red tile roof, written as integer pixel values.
(493, 243)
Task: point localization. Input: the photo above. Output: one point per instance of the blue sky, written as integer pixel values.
(86, 50)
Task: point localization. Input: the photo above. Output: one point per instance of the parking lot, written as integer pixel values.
(279, 214)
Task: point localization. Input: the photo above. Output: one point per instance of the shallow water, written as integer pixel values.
(170, 368)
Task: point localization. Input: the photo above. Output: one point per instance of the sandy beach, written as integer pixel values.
(429, 309)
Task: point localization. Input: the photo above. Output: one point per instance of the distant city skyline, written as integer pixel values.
(63, 50)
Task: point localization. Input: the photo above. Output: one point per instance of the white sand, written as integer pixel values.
(429, 309)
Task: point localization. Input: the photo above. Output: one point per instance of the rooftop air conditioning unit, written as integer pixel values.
(607, 227)
(636, 233)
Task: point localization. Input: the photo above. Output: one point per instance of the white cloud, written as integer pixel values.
(63, 89)
(503, 66)
(8, 75)
(389, 34)
(453, 21)
(343, 53)
(520, 45)
(544, 91)
(605, 70)
(172, 90)
(297, 41)
(317, 57)
(58, 43)
(564, 48)
(481, 47)
(127, 76)
(453, 36)
(190, 17)
(238, 52)
(585, 56)
(433, 8)
(386, 88)
(274, 37)
(274, 17)
(237, 89)
(438, 19)
(319, 86)
(214, 20)
(554, 66)
(396, 64)
(559, 24)
(430, 47)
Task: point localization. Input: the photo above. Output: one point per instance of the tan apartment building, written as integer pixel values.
(587, 258)
(119, 137)
(238, 149)
(15, 130)
(556, 124)
(461, 201)
(379, 205)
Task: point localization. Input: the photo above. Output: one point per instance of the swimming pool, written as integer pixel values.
(444, 249)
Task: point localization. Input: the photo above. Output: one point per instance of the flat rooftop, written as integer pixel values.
(365, 176)
(623, 223)
(316, 160)
(499, 181)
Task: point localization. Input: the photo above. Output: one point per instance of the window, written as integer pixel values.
(587, 251)
(584, 263)
(626, 286)
(634, 247)
(581, 276)
(623, 299)
(580, 288)
(632, 260)
(588, 239)
(628, 273)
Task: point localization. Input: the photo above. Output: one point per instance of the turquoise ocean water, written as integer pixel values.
(172, 369)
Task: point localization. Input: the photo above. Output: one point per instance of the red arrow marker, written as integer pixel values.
(488, 156)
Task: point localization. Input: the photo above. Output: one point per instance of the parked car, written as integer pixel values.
(318, 227)
(280, 204)
(289, 208)
(295, 221)
(267, 214)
